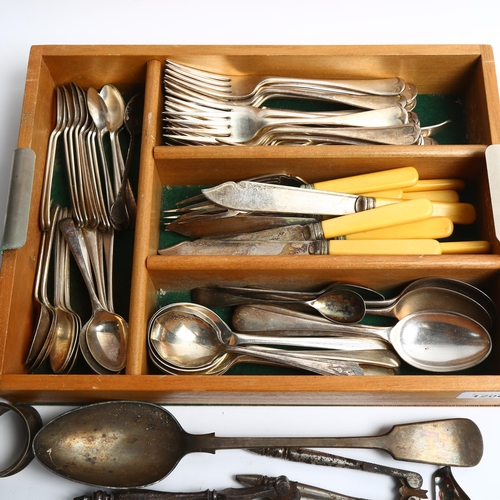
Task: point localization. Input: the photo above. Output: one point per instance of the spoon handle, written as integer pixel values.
(316, 365)
(259, 318)
(69, 230)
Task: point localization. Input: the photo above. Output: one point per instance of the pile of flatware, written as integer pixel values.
(101, 201)
(385, 212)
(438, 325)
(203, 108)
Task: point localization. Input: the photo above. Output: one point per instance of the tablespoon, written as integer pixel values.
(434, 298)
(449, 283)
(342, 306)
(106, 332)
(436, 341)
(133, 444)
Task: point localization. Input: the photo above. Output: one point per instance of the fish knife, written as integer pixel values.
(258, 197)
(432, 228)
(320, 247)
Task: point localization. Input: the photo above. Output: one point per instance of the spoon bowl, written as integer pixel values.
(434, 298)
(127, 444)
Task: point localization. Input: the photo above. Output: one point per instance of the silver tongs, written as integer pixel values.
(257, 486)
(411, 481)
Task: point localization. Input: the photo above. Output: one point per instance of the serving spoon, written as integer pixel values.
(126, 444)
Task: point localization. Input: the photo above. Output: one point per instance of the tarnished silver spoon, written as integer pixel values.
(134, 444)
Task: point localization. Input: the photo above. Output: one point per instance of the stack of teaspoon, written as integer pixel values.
(101, 201)
(389, 212)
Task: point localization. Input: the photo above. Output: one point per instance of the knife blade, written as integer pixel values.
(320, 247)
(258, 197)
(432, 228)
(237, 224)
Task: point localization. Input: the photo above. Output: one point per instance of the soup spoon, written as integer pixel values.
(436, 341)
(191, 337)
(126, 444)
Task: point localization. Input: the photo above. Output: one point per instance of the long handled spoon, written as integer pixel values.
(124, 444)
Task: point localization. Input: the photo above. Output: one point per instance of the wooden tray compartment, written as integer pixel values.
(467, 71)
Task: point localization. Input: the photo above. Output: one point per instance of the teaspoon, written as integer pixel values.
(133, 444)
(341, 306)
(106, 332)
(123, 210)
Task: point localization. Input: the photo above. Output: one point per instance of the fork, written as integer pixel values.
(241, 87)
(243, 123)
(187, 91)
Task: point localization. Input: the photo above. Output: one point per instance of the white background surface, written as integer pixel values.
(24, 23)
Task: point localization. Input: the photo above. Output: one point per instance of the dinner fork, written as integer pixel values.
(192, 92)
(242, 87)
(243, 123)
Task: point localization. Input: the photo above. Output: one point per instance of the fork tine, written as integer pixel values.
(198, 73)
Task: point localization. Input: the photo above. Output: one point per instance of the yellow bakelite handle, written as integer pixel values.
(433, 184)
(448, 195)
(384, 247)
(389, 215)
(448, 247)
(396, 194)
(432, 228)
(459, 213)
(375, 181)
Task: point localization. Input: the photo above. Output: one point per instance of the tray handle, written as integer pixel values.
(18, 204)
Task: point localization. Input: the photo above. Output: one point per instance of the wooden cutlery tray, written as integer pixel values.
(463, 75)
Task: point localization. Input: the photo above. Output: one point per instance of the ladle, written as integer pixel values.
(124, 208)
(106, 332)
(341, 306)
(125, 444)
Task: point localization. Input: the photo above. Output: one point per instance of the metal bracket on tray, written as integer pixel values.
(18, 205)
